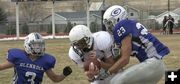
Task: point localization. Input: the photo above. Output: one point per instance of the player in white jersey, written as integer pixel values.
(133, 39)
(83, 42)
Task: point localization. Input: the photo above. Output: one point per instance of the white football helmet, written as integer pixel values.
(34, 44)
(81, 37)
(113, 15)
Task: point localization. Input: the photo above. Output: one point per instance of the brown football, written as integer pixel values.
(87, 63)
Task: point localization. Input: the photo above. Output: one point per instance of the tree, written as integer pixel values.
(94, 27)
(10, 30)
(32, 11)
(79, 5)
(25, 29)
(49, 30)
(3, 16)
(68, 27)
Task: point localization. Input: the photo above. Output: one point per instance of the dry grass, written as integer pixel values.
(59, 48)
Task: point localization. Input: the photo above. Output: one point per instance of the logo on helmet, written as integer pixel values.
(116, 12)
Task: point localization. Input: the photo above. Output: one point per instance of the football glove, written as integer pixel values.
(103, 74)
(67, 71)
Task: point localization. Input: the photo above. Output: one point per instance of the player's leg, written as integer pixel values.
(105, 81)
(146, 72)
(163, 31)
(166, 31)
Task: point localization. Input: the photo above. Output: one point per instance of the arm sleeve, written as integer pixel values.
(75, 57)
(108, 52)
(120, 32)
(10, 57)
(51, 63)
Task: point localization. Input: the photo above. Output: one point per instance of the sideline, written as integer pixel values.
(22, 38)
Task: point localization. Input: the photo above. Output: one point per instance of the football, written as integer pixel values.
(88, 62)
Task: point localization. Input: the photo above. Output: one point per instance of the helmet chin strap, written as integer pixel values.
(81, 52)
(90, 47)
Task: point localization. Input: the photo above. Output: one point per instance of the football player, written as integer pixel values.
(99, 45)
(134, 39)
(31, 63)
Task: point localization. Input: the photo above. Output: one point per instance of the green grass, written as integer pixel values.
(59, 48)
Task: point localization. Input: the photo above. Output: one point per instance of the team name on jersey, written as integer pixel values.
(32, 66)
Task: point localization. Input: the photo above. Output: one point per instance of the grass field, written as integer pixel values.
(59, 48)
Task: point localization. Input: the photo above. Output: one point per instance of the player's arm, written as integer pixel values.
(6, 65)
(126, 49)
(58, 77)
(107, 63)
(54, 77)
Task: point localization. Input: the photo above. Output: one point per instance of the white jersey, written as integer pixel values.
(103, 43)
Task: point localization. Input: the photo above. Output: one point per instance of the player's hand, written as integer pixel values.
(102, 75)
(67, 71)
(93, 70)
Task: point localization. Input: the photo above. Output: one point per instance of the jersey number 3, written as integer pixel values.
(31, 76)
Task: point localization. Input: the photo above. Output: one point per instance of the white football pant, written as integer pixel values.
(105, 81)
(148, 72)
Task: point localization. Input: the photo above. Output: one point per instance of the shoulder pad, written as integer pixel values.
(103, 40)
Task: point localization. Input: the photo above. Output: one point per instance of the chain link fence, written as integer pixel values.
(37, 16)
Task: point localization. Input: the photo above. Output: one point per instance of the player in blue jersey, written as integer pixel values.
(31, 63)
(133, 39)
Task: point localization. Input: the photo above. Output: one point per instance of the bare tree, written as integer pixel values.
(79, 5)
(32, 11)
(3, 14)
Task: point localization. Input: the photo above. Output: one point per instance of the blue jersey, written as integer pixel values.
(26, 70)
(144, 44)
